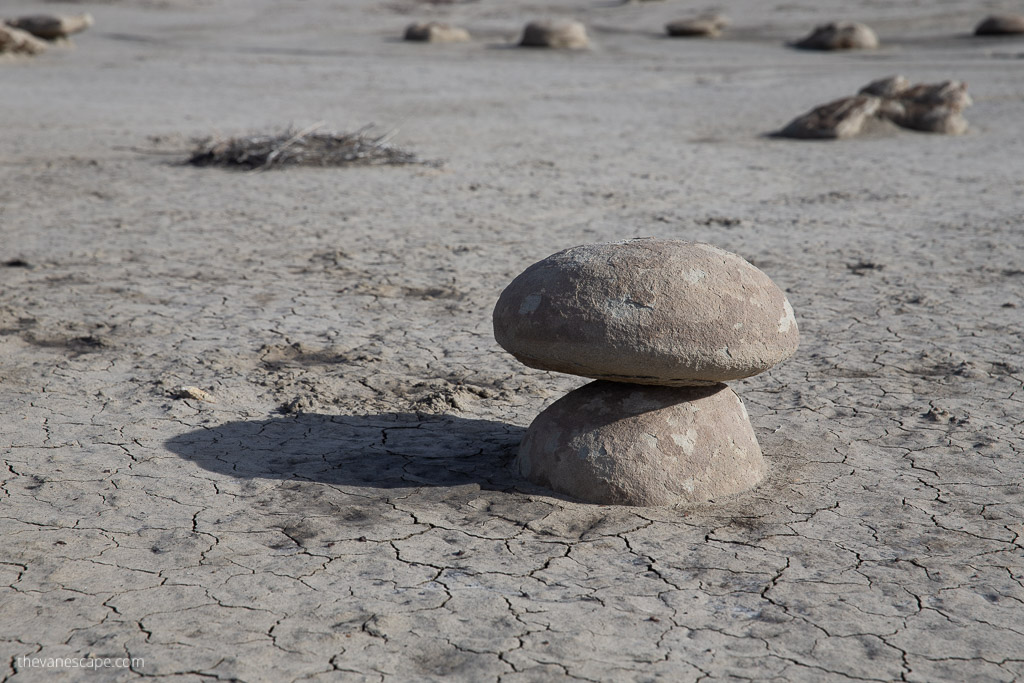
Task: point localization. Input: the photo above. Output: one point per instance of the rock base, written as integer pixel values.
(624, 444)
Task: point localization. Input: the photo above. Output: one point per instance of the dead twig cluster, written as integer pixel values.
(307, 147)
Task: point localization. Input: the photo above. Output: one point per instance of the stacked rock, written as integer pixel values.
(661, 324)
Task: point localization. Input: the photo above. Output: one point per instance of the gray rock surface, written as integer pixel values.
(626, 444)
(648, 311)
(559, 34)
(842, 35)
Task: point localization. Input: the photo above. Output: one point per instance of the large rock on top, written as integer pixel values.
(646, 311)
(622, 444)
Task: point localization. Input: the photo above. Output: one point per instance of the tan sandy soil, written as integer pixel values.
(374, 530)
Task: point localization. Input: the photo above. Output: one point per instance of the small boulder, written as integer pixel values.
(566, 35)
(933, 108)
(14, 41)
(436, 32)
(622, 444)
(647, 311)
(52, 27)
(1001, 25)
(701, 27)
(844, 35)
(843, 118)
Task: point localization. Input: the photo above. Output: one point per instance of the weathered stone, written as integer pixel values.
(649, 311)
(568, 35)
(14, 41)
(1000, 25)
(843, 118)
(436, 32)
(52, 27)
(933, 108)
(891, 86)
(709, 26)
(844, 35)
(625, 444)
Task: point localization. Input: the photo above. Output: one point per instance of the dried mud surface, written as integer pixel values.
(344, 510)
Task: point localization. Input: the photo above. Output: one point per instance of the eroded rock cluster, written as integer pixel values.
(929, 107)
(660, 324)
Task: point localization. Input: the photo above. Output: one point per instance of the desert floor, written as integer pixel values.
(344, 509)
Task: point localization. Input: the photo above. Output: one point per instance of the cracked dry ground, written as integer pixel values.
(345, 511)
(373, 532)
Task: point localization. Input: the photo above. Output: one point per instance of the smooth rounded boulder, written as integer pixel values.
(647, 311)
(623, 444)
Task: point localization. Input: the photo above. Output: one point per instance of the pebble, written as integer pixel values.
(193, 393)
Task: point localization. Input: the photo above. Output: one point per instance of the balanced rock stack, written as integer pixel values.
(661, 324)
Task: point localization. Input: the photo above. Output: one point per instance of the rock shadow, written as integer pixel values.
(391, 450)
